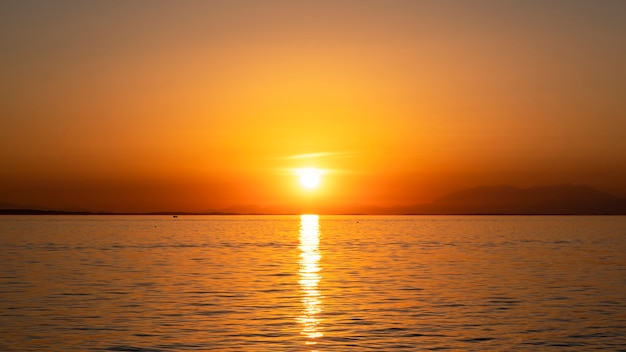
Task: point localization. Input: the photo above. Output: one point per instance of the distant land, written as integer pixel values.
(508, 200)
(489, 200)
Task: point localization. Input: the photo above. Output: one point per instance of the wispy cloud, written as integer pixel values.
(322, 155)
(313, 157)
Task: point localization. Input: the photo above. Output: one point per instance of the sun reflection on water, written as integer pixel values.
(310, 277)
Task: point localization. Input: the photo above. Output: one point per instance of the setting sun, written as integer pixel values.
(310, 178)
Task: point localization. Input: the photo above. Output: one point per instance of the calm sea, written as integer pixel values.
(309, 283)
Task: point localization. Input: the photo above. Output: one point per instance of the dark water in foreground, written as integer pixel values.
(333, 283)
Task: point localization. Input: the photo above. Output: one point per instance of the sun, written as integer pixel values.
(310, 178)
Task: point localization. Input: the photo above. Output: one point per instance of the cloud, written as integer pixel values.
(322, 155)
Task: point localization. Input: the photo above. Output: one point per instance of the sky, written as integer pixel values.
(203, 105)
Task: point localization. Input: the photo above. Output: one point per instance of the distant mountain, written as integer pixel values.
(558, 199)
(492, 200)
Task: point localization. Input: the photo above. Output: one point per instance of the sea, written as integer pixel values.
(312, 283)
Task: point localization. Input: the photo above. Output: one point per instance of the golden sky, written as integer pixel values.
(202, 105)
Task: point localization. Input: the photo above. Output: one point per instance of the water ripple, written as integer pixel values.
(313, 284)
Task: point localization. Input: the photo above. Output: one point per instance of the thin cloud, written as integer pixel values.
(322, 155)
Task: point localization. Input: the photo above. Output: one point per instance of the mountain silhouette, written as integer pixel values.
(491, 200)
(557, 199)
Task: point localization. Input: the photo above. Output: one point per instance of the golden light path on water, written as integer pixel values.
(310, 277)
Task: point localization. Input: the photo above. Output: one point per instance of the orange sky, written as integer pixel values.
(202, 105)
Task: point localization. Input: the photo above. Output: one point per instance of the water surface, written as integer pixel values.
(309, 283)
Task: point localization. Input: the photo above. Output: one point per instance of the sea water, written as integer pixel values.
(312, 283)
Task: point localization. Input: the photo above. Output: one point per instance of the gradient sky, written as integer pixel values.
(200, 105)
